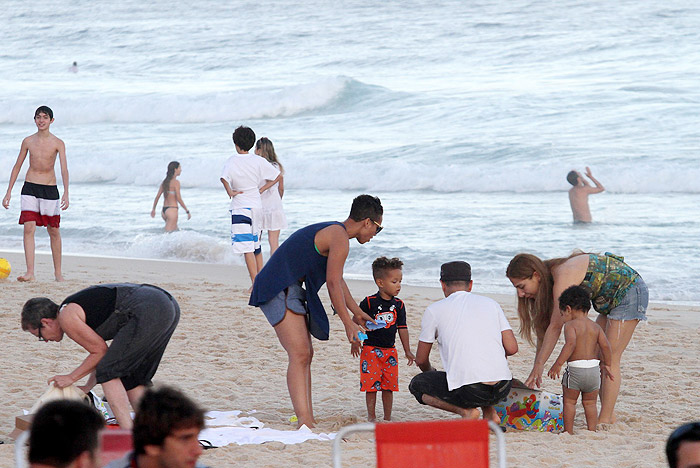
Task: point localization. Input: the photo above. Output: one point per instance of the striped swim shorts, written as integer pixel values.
(40, 204)
(245, 230)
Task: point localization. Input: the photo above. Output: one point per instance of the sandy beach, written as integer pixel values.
(225, 355)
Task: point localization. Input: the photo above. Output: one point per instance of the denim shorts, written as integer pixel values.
(634, 305)
(434, 383)
(292, 298)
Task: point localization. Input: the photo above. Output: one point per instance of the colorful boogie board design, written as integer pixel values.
(531, 410)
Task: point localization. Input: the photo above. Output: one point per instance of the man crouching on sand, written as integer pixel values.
(474, 339)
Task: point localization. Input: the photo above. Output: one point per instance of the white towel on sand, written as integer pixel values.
(226, 427)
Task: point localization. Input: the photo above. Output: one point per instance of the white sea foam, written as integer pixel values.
(164, 105)
(317, 171)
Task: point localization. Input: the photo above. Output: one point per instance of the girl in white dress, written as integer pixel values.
(273, 215)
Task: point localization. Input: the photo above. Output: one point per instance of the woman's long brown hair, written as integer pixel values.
(536, 313)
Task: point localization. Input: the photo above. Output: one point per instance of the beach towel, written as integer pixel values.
(228, 427)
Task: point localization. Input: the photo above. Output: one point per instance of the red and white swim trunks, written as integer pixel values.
(40, 203)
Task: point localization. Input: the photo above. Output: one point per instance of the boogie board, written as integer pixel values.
(526, 409)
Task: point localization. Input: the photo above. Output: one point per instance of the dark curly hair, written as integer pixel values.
(577, 297)
(382, 265)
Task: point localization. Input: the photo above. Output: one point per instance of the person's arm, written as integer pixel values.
(403, 335)
(229, 191)
(563, 278)
(423, 356)
(178, 198)
(15, 172)
(338, 248)
(64, 173)
(270, 183)
(510, 344)
(280, 187)
(359, 316)
(72, 322)
(90, 384)
(598, 186)
(155, 202)
(606, 352)
(565, 354)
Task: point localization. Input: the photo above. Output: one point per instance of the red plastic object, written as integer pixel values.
(115, 444)
(444, 444)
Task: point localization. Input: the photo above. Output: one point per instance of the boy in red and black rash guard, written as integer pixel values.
(379, 360)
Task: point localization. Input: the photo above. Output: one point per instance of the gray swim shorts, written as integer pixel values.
(292, 298)
(585, 380)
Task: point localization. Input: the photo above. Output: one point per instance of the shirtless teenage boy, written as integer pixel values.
(39, 202)
(578, 194)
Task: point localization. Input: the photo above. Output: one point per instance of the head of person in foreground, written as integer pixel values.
(683, 446)
(65, 434)
(166, 429)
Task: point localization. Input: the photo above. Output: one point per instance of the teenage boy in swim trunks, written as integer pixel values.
(242, 174)
(584, 338)
(39, 202)
(379, 366)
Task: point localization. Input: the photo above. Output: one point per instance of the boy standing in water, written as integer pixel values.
(578, 195)
(379, 366)
(243, 173)
(584, 337)
(39, 202)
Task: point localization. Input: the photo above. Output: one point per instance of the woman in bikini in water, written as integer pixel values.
(170, 189)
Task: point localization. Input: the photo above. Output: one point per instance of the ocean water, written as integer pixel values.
(463, 117)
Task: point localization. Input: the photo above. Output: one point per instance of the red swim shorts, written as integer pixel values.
(379, 369)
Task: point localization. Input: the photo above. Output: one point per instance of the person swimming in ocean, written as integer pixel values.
(578, 194)
(170, 189)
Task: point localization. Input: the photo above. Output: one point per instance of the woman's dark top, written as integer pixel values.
(295, 260)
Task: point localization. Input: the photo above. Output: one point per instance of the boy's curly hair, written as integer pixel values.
(382, 265)
(577, 297)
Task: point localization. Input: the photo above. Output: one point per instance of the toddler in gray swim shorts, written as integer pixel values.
(585, 343)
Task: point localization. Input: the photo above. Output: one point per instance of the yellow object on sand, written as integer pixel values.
(4, 268)
(293, 419)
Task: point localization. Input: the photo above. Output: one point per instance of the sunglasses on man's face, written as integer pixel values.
(38, 330)
(379, 226)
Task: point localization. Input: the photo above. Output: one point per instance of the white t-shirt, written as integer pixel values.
(468, 330)
(246, 173)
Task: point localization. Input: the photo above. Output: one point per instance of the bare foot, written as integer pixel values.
(490, 414)
(59, 278)
(612, 420)
(25, 278)
(470, 413)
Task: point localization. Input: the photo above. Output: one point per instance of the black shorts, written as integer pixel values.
(476, 395)
(143, 325)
